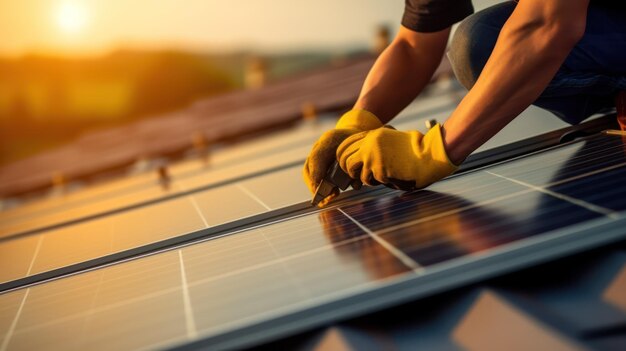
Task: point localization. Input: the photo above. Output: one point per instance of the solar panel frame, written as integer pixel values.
(505, 153)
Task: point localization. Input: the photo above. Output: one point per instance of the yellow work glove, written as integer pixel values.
(323, 153)
(401, 160)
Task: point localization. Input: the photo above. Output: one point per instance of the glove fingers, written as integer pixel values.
(356, 184)
(349, 143)
(353, 165)
(372, 181)
(348, 155)
(367, 177)
(320, 159)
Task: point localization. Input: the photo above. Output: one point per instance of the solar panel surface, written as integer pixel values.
(382, 248)
(95, 238)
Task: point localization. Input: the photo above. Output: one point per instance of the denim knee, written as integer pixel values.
(474, 41)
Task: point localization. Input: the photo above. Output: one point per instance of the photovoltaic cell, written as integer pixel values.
(72, 244)
(611, 194)
(302, 264)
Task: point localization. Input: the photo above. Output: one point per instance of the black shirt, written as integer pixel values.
(434, 15)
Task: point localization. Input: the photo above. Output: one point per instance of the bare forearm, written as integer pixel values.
(526, 56)
(401, 72)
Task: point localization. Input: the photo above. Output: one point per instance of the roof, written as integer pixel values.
(216, 119)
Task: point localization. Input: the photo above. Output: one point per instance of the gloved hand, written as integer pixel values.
(401, 160)
(323, 154)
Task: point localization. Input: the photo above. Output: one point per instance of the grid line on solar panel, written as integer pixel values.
(37, 249)
(189, 318)
(194, 203)
(254, 197)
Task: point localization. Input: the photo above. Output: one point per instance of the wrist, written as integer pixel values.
(453, 147)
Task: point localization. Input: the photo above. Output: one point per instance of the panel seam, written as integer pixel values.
(190, 322)
(195, 205)
(35, 254)
(254, 197)
(11, 330)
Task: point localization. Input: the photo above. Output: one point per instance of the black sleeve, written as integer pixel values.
(434, 15)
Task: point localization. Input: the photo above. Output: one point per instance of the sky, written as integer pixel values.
(92, 27)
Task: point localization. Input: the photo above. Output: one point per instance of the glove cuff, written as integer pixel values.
(358, 119)
(433, 140)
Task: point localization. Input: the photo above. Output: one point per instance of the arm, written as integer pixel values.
(531, 47)
(401, 72)
(398, 76)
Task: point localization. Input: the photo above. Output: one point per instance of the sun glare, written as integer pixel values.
(71, 16)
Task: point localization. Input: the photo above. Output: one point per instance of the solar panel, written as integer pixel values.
(380, 249)
(238, 161)
(86, 244)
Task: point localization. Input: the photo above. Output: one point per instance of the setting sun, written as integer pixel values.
(71, 16)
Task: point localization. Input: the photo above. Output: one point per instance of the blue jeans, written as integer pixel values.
(587, 82)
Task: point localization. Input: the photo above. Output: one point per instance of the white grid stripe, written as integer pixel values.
(192, 332)
(256, 198)
(35, 254)
(195, 206)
